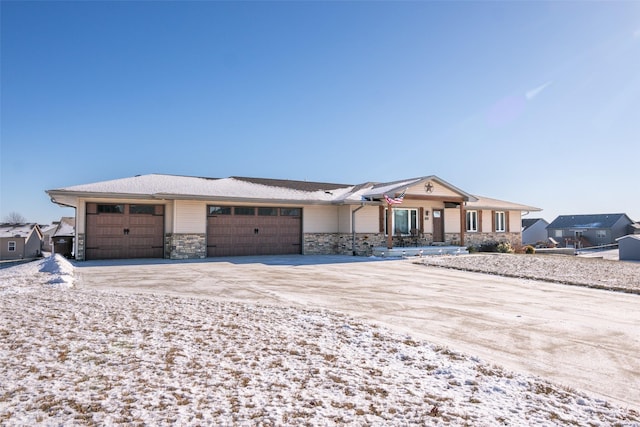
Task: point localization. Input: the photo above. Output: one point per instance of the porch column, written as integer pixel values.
(463, 223)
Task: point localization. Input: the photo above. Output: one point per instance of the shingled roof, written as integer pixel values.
(593, 221)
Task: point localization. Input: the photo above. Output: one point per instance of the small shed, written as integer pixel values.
(629, 247)
(63, 237)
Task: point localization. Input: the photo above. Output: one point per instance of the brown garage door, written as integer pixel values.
(124, 231)
(248, 230)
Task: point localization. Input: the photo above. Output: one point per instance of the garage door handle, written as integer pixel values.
(126, 231)
(256, 231)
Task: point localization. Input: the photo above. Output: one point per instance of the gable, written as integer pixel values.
(429, 187)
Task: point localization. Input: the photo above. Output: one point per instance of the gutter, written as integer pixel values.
(210, 198)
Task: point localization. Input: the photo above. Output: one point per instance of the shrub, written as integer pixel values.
(488, 247)
(504, 248)
(529, 249)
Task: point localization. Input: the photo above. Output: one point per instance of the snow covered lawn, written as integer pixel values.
(85, 357)
(589, 272)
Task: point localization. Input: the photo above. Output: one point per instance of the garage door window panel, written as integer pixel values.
(297, 212)
(110, 209)
(244, 211)
(267, 211)
(142, 209)
(219, 210)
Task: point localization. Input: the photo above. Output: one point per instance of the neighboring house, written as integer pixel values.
(588, 230)
(63, 236)
(20, 241)
(534, 230)
(47, 235)
(629, 247)
(181, 217)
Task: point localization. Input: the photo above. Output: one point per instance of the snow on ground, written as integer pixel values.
(84, 357)
(582, 271)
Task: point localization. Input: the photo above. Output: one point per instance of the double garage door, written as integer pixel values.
(247, 230)
(124, 231)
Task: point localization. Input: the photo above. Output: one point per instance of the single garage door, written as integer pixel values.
(248, 230)
(124, 231)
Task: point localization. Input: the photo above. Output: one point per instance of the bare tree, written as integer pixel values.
(15, 218)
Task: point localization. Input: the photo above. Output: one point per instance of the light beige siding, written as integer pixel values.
(344, 219)
(368, 219)
(320, 219)
(438, 190)
(487, 221)
(168, 216)
(191, 217)
(452, 220)
(515, 221)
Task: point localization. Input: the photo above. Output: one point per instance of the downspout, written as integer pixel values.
(463, 222)
(353, 228)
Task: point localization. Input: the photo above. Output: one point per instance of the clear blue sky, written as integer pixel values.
(530, 102)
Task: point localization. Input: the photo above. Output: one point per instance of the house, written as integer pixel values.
(63, 235)
(184, 217)
(20, 241)
(629, 247)
(47, 235)
(634, 228)
(534, 230)
(588, 230)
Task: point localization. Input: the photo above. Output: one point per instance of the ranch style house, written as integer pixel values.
(184, 217)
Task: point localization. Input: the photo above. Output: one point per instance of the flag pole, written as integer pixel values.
(389, 230)
(390, 203)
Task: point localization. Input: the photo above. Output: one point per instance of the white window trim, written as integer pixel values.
(471, 226)
(500, 220)
(11, 246)
(393, 219)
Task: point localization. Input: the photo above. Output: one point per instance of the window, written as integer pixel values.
(241, 210)
(601, 234)
(267, 211)
(142, 209)
(403, 221)
(290, 212)
(12, 246)
(219, 210)
(558, 233)
(472, 220)
(500, 221)
(118, 209)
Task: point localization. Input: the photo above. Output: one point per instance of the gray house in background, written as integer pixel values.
(20, 241)
(629, 247)
(580, 231)
(534, 230)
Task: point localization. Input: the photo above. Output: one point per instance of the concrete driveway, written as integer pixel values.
(582, 338)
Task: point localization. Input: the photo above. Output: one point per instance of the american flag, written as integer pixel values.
(395, 200)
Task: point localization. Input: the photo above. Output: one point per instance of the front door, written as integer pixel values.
(438, 225)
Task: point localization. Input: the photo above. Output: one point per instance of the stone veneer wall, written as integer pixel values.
(80, 247)
(342, 243)
(476, 239)
(185, 246)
